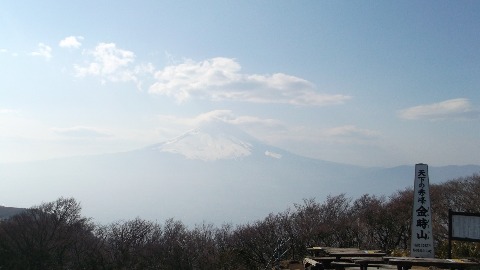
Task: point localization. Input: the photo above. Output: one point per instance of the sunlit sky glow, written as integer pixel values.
(372, 83)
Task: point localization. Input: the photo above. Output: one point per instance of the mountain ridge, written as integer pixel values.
(157, 183)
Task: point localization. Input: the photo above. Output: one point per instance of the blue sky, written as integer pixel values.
(372, 83)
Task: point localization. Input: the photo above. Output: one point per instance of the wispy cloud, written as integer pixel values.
(226, 116)
(336, 135)
(71, 42)
(272, 131)
(81, 132)
(109, 62)
(220, 79)
(214, 79)
(350, 131)
(113, 64)
(273, 154)
(43, 51)
(456, 109)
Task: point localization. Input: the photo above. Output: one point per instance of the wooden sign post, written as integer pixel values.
(422, 236)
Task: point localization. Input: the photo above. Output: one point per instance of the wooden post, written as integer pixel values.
(449, 233)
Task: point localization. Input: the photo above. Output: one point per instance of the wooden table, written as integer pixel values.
(365, 262)
(340, 258)
(344, 252)
(405, 263)
(359, 253)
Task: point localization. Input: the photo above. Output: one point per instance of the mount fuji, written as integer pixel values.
(216, 173)
(212, 141)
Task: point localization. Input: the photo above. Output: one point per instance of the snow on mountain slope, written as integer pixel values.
(197, 144)
(214, 140)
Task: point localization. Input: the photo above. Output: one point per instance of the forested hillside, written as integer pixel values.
(6, 212)
(56, 235)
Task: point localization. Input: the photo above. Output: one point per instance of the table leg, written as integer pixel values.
(403, 267)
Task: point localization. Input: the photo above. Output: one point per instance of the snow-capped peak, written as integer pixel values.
(211, 142)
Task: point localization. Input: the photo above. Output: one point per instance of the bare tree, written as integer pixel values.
(132, 244)
(46, 237)
(324, 224)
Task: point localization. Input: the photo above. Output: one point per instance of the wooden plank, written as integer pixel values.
(366, 260)
(339, 255)
(427, 262)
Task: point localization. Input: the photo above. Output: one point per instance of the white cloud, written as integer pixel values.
(459, 108)
(350, 131)
(220, 79)
(109, 61)
(171, 126)
(273, 154)
(178, 124)
(314, 137)
(214, 79)
(24, 137)
(43, 51)
(247, 122)
(113, 64)
(221, 115)
(81, 132)
(71, 42)
(272, 131)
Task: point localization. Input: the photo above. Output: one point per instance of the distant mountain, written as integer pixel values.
(215, 173)
(213, 141)
(6, 212)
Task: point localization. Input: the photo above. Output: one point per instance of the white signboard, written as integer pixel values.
(422, 236)
(465, 227)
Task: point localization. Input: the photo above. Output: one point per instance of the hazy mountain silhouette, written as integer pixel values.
(215, 173)
(6, 212)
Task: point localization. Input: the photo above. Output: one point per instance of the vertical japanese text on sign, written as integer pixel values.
(422, 236)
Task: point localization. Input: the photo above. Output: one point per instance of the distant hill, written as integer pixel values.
(216, 173)
(6, 212)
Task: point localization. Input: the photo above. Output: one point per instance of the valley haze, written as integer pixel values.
(226, 111)
(215, 173)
